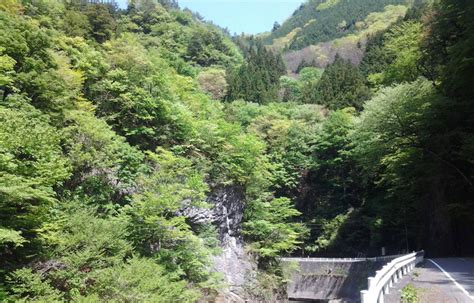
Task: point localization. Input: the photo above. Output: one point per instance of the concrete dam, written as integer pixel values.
(326, 280)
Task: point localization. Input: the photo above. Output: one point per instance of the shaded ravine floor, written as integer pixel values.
(433, 286)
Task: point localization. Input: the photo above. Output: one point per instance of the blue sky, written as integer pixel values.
(249, 16)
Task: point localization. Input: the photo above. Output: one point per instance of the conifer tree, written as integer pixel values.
(341, 85)
(258, 78)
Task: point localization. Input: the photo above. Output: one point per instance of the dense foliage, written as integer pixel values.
(325, 20)
(400, 174)
(341, 85)
(105, 137)
(257, 79)
(113, 122)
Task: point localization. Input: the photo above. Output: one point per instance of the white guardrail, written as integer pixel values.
(388, 276)
(339, 260)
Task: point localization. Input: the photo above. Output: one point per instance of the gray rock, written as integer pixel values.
(234, 263)
(226, 213)
(196, 215)
(228, 210)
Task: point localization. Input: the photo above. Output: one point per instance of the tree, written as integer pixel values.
(304, 64)
(104, 166)
(276, 26)
(11, 6)
(331, 186)
(213, 81)
(31, 165)
(156, 230)
(289, 89)
(76, 24)
(102, 22)
(28, 45)
(401, 143)
(341, 85)
(134, 97)
(447, 48)
(268, 228)
(7, 65)
(309, 79)
(375, 59)
(98, 268)
(402, 48)
(258, 77)
(207, 46)
(319, 21)
(141, 279)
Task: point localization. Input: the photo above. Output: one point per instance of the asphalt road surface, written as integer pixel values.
(440, 280)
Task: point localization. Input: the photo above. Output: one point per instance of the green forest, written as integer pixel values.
(115, 124)
(325, 20)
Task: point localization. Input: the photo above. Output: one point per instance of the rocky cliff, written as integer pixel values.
(226, 213)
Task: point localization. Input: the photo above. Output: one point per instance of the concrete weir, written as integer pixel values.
(329, 280)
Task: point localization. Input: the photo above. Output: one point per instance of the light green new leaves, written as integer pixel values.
(6, 69)
(11, 236)
(153, 223)
(403, 44)
(268, 226)
(31, 163)
(390, 123)
(140, 280)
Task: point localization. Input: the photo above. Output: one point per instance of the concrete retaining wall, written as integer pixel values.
(330, 279)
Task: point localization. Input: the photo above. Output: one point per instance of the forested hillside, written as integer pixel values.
(320, 30)
(325, 20)
(105, 137)
(146, 156)
(389, 165)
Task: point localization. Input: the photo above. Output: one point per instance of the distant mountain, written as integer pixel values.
(320, 29)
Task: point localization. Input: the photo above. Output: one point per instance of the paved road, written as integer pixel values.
(442, 280)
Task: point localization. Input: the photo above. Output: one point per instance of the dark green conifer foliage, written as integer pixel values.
(319, 20)
(341, 85)
(258, 77)
(375, 59)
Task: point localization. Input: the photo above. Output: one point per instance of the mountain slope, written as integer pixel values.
(106, 138)
(319, 30)
(324, 20)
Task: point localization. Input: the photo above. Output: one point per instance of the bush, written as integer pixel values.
(409, 294)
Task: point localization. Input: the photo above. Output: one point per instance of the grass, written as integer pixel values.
(410, 294)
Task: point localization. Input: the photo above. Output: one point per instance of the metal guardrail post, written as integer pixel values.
(371, 281)
(365, 296)
(380, 284)
(380, 299)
